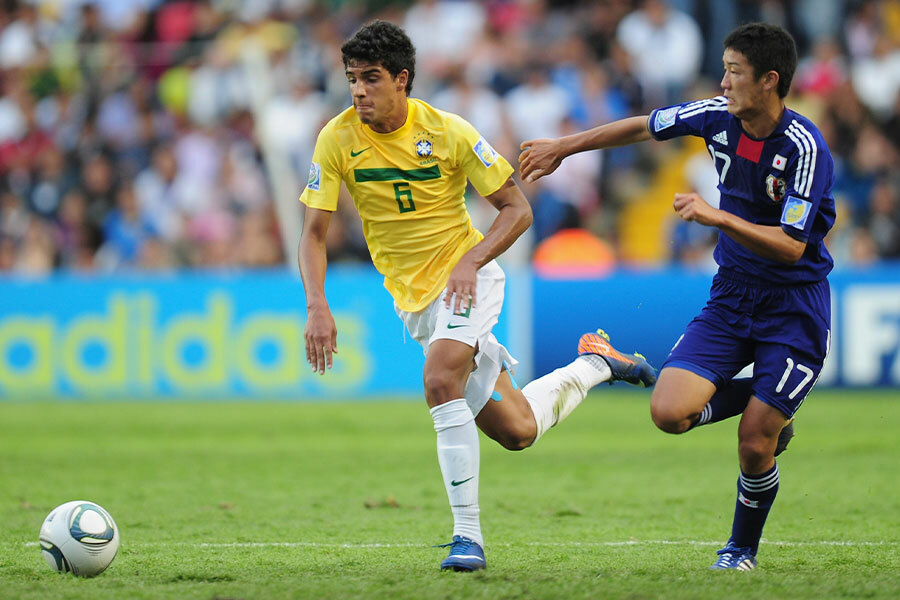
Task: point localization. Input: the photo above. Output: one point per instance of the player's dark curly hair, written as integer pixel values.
(767, 48)
(384, 43)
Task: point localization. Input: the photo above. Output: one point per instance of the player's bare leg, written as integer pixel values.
(758, 433)
(517, 418)
(507, 418)
(679, 393)
(678, 398)
(447, 366)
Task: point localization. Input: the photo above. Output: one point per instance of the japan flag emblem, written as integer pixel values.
(779, 162)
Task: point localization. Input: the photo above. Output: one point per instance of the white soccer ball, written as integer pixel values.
(79, 537)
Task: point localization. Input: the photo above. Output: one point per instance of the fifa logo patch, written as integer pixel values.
(775, 188)
(796, 212)
(315, 177)
(484, 152)
(665, 118)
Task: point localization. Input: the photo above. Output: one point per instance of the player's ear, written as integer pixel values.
(770, 80)
(402, 78)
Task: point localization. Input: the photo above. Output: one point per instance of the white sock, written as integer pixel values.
(458, 455)
(554, 396)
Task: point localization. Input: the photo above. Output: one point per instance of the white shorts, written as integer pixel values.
(437, 322)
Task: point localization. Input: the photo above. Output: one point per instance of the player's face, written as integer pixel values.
(377, 97)
(743, 90)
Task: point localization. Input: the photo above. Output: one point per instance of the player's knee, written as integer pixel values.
(516, 438)
(513, 433)
(668, 411)
(669, 424)
(440, 387)
(755, 449)
(668, 419)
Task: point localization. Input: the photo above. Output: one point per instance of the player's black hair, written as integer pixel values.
(385, 43)
(767, 48)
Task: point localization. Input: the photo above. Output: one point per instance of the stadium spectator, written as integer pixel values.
(876, 77)
(18, 39)
(99, 184)
(125, 231)
(823, 71)
(258, 242)
(50, 183)
(292, 120)
(537, 107)
(76, 236)
(441, 31)
(463, 94)
(666, 46)
(160, 191)
(14, 217)
(861, 30)
(37, 252)
(884, 218)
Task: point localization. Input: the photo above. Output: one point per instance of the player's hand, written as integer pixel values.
(461, 286)
(538, 158)
(321, 338)
(691, 207)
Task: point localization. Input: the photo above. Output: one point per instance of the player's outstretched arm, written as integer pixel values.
(769, 241)
(321, 332)
(542, 156)
(513, 219)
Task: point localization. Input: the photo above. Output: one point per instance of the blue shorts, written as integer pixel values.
(784, 330)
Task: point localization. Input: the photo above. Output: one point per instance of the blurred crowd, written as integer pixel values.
(149, 134)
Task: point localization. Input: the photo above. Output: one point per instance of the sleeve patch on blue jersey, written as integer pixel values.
(665, 118)
(796, 212)
(315, 177)
(484, 152)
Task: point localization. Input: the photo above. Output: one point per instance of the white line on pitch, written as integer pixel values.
(499, 544)
(554, 544)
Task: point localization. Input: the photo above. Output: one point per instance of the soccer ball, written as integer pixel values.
(79, 537)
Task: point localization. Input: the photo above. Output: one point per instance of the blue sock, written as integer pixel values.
(756, 493)
(727, 402)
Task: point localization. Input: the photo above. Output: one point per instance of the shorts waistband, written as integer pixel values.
(752, 281)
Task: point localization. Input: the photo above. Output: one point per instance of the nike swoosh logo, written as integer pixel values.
(455, 483)
(355, 154)
(456, 326)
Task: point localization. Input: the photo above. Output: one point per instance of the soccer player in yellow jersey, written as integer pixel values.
(406, 165)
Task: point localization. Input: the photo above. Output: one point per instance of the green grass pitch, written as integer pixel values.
(307, 500)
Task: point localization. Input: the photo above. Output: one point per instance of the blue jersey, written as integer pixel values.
(785, 179)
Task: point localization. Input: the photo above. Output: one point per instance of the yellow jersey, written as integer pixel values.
(409, 188)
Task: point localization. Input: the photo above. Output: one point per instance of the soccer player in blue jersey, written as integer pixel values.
(769, 303)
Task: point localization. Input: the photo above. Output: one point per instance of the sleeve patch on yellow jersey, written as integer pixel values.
(315, 177)
(484, 152)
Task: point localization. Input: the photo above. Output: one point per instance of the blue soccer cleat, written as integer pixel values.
(465, 555)
(784, 437)
(631, 368)
(738, 559)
